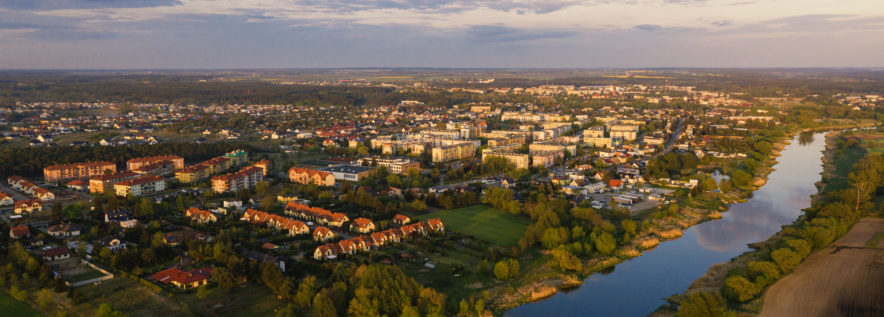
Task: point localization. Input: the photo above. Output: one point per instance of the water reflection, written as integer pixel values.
(638, 286)
(805, 138)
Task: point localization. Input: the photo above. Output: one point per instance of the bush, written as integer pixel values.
(739, 289)
(786, 259)
(702, 304)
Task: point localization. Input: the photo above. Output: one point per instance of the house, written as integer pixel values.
(110, 242)
(121, 217)
(327, 251)
(200, 216)
(362, 225)
(183, 279)
(28, 206)
(323, 234)
(6, 199)
(269, 246)
(436, 224)
(58, 253)
(19, 232)
(64, 230)
(78, 184)
(307, 176)
(43, 194)
(348, 172)
(615, 184)
(401, 219)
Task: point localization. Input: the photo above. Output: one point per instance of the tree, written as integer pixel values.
(702, 304)
(739, 289)
(323, 306)
(629, 226)
(786, 259)
(106, 310)
(363, 304)
(306, 291)
(506, 269)
(564, 260)
(261, 188)
(226, 280)
(202, 292)
(864, 179)
(605, 243)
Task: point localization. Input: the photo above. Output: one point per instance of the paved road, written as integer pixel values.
(673, 138)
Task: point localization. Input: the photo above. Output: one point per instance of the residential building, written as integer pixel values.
(454, 151)
(102, 183)
(244, 179)
(144, 185)
(138, 162)
(199, 215)
(62, 172)
(161, 168)
(265, 165)
(362, 225)
(308, 176)
(28, 206)
(64, 230)
(121, 217)
(19, 232)
(193, 174)
(348, 172)
(183, 279)
(395, 166)
(57, 253)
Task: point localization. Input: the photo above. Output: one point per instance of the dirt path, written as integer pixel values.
(845, 279)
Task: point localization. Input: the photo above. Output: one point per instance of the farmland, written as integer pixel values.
(841, 280)
(483, 222)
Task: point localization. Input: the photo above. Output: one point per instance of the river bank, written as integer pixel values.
(714, 279)
(696, 212)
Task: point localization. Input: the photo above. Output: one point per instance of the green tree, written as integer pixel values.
(605, 243)
(786, 259)
(739, 289)
(702, 304)
(323, 306)
(306, 291)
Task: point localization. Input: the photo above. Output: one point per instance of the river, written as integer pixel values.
(640, 285)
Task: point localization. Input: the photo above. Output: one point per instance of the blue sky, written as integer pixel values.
(138, 34)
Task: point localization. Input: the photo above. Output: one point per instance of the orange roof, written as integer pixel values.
(155, 158)
(310, 172)
(79, 165)
(141, 180)
(125, 174)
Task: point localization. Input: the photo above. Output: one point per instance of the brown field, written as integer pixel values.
(845, 279)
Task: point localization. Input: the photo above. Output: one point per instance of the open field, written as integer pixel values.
(844, 279)
(11, 307)
(483, 222)
(129, 297)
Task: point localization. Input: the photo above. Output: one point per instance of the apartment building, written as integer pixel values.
(193, 174)
(243, 179)
(102, 183)
(395, 166)
(144, 185)
(307, 176)
(62, 172)
(138, 162)
(519, 160)
(454, 151)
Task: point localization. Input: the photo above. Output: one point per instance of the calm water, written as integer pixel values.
(638, 286)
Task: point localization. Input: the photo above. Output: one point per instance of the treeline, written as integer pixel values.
(366, 290)
(829, 218)
(29, 162)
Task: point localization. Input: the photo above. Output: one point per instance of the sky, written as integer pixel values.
(225, 34)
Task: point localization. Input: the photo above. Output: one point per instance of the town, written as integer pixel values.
(469, 194)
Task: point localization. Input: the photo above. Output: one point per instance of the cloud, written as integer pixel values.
(648, 27)
(69, 35)
(40, 5)
(721, 23)
(498, 33)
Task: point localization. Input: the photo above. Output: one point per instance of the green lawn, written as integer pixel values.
(843, 165)
(483, 222)
(11, 307)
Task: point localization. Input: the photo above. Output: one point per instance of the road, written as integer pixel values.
(673, 138)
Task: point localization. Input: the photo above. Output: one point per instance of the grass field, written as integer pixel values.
(11, 307)
(483, 222)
